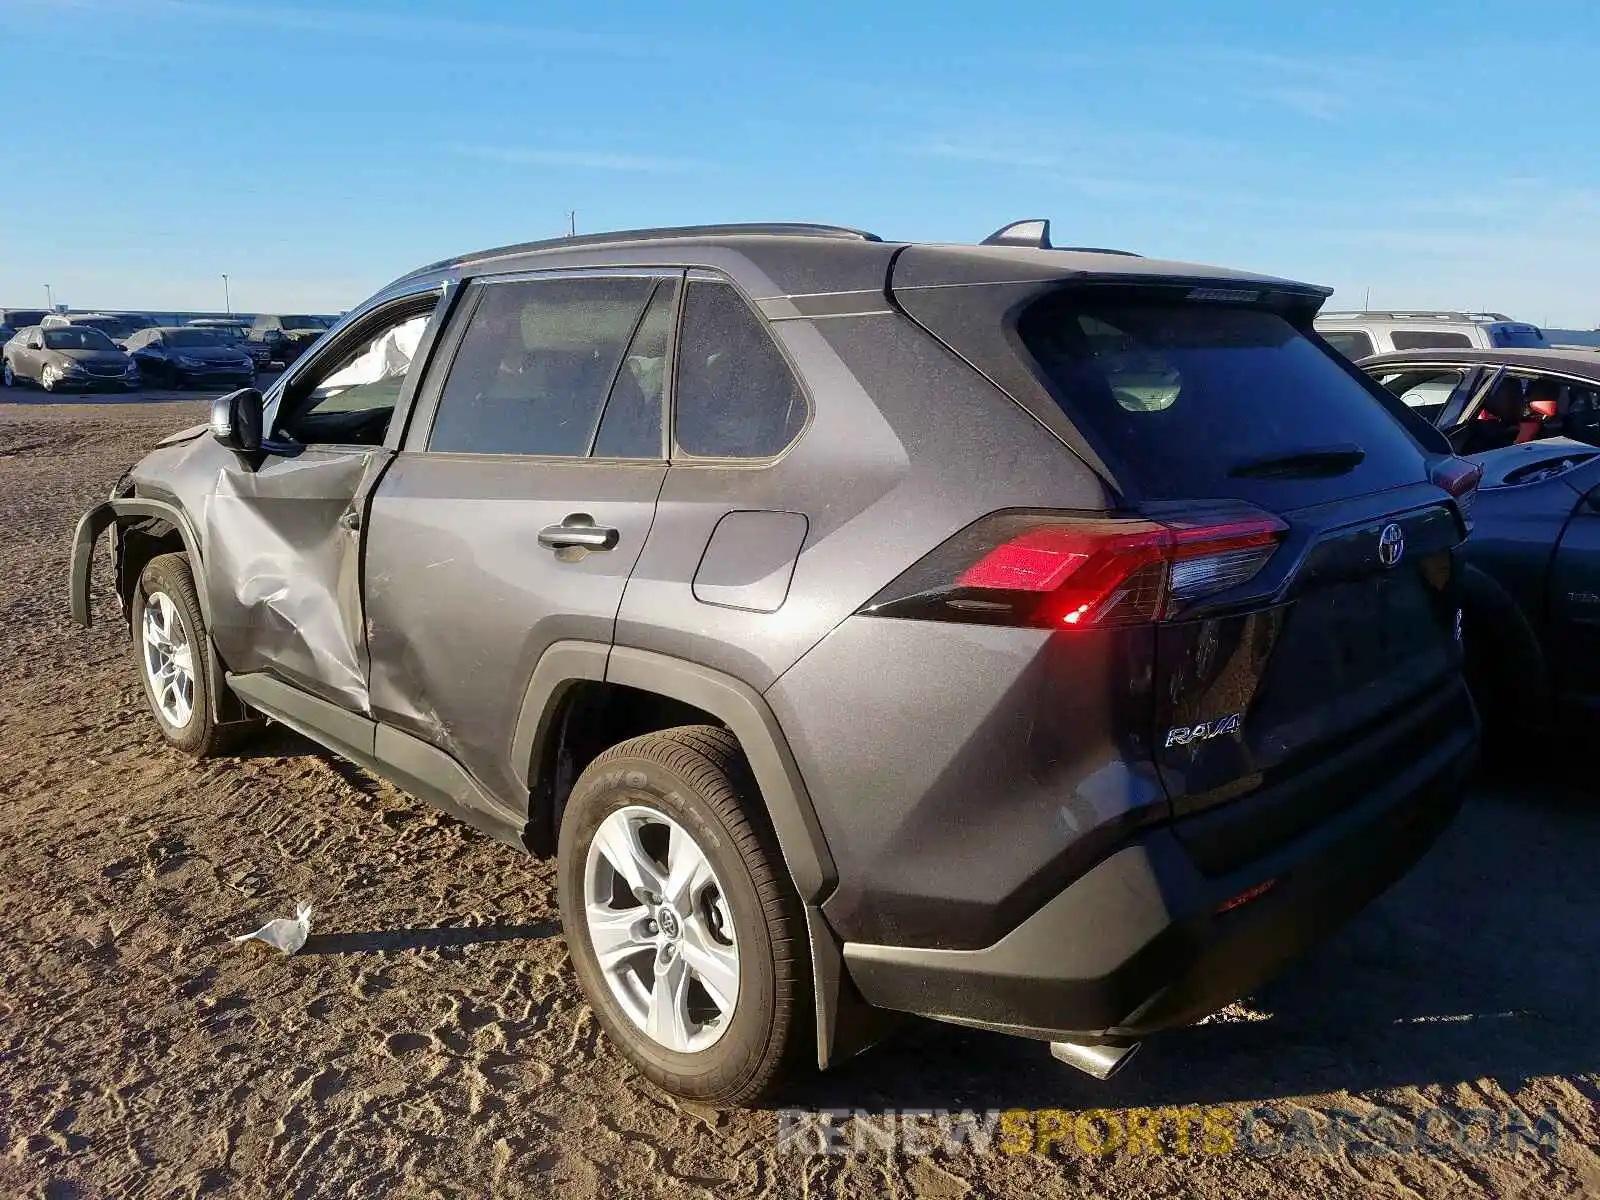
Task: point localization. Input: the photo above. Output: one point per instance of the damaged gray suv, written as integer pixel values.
(1050, 641)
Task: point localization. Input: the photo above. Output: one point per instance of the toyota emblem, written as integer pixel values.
(1391, 545)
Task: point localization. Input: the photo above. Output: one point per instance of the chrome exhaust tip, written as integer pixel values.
(1100, 1061)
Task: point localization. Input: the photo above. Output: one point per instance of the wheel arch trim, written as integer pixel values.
(844, 1023)
(732, 702)
(111, 512)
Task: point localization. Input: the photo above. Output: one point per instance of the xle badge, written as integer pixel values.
(1184, 735)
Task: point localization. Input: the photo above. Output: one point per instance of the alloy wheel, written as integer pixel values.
(168, 660)
(659, 924)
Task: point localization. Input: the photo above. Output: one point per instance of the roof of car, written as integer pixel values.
(805, 258)
(1573, 360)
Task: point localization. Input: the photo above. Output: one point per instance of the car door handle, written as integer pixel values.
(578, 531)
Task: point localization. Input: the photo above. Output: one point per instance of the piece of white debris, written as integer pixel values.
(282, 934)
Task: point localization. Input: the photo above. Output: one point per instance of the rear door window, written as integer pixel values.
(631, 424)
(536, 363)
(1190, 400)
(1424, 339)
(1351, 343)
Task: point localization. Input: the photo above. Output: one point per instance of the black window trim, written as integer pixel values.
(473, 290)
(358, 324)
(682, 458)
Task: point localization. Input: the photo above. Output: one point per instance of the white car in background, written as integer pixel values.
(1359, 335)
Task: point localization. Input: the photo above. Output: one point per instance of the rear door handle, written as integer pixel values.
(578, 531)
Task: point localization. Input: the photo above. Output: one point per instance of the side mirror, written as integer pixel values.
(236, 420)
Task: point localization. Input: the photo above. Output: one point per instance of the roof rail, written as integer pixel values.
(1035, 234)
(1414, 314)
(753, 229)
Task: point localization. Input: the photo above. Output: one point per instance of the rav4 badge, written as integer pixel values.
(1184, 735)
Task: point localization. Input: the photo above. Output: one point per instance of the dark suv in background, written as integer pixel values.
(287, 337)
(1056, 642)
(14, 320)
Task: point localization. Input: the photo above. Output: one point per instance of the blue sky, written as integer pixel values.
(1438, 153)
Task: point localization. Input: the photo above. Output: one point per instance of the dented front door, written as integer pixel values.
(283, 566)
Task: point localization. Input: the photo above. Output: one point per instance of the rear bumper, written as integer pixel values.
(1139, 944)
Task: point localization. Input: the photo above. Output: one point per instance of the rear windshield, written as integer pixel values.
(1525, 337)
(1185, 395)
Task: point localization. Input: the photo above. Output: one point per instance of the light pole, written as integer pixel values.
(227, 300)
(49, 298)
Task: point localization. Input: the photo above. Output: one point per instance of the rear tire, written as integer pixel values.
(681, 792)
(171, 652)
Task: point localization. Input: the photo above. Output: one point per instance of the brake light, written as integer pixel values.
(1460, 478)
(1058, 571)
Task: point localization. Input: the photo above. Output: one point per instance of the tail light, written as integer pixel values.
(1055, 571)
(1460, 478)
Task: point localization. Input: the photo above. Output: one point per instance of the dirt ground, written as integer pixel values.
(430, 1040)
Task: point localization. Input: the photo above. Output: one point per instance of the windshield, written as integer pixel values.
(191, 337)
(299, 323)
(77, 337)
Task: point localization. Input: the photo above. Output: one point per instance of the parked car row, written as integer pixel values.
(88, 351)
(67, 358)
(1052, 641)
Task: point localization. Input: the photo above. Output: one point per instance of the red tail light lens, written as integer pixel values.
(1057, 571)
(1460, 478)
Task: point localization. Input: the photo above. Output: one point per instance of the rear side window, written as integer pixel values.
(736, 396)
(535, 365)
(1421, 339)
(1351, 343)
(1189, 397)
(1524, 337)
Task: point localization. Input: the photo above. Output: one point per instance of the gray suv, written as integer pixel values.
(977, 632)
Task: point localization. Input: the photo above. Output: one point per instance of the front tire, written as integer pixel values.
(8, 376)
(685, 932)
(171, 652)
